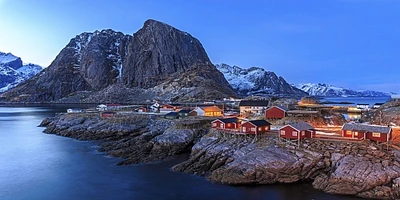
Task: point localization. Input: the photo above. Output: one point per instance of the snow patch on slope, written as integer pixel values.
(257, 81)
(326, 90)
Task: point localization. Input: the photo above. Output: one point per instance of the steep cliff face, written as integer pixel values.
(90, 61)
(159, 61)
(158, 50)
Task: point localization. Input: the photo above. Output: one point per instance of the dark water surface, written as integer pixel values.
(34, 165)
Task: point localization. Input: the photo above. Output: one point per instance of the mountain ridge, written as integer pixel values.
(258, 81)
(14, 72)
(326, 90)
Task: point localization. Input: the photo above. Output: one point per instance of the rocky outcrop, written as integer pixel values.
(135, 138)
(159, 61)
(361, 169)
(89, 62)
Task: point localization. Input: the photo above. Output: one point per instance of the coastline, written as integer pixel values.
(240, 161)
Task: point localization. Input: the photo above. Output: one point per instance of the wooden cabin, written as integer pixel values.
(255, 127)
(297, 131)
(171, 115)
(364, 131)
(362, 106)
(226, 123)
(167, 108)
(377, 105)
(107, 114)
(74, 110)
(275, 112)
(142, 109)
(184, 113)
(253, 107)
(207, 111)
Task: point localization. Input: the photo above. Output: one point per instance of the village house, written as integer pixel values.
(297, 131)
(362, 106)
(377, 105)
(275, 112)
(115, 106)
(74, 110)
(184, 113)
(253, 107)
(364, 131)
(171, 115)
(142, 110)
(395, 97)
(166, 108)
(107, 114)
(155, 107)
(210, 111)
(101, 107)
(226, 123)
(255, 127)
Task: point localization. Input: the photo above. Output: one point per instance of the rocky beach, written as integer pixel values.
(363, 169)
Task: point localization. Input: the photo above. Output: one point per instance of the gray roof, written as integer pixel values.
(366, 128)
(253, 103)
(302, 126)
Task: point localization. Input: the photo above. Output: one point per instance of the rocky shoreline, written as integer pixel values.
(363, 169)
(135, 138)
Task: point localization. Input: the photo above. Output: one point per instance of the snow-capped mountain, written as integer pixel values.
(257, 81)
(13, 72)
(325, 90)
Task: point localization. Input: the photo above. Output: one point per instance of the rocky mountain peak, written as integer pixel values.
(158, 50)
(158, 61)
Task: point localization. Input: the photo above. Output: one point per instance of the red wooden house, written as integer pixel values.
(226, 123)
(107, 114)
(167, 108)
(142, 109)
(297, 131)
(255, 127)
(363, 131)
(275, 112)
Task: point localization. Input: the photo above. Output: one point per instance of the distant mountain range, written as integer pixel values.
(325, 90)
(257, 81)
(13, 72)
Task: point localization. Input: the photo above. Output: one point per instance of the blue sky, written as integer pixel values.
(348, 43)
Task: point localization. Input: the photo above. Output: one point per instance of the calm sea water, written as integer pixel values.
(355, 100)
(34, 165)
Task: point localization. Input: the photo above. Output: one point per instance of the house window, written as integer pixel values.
(253, 129)
(221, 125)
(266, 128)
(348, 133)
(356, 134)
(376, 134)
(214, 124)
(229, 125)
(283, 132)
(294, 133)
(260, 128)
(244, 129)
(303, 133)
